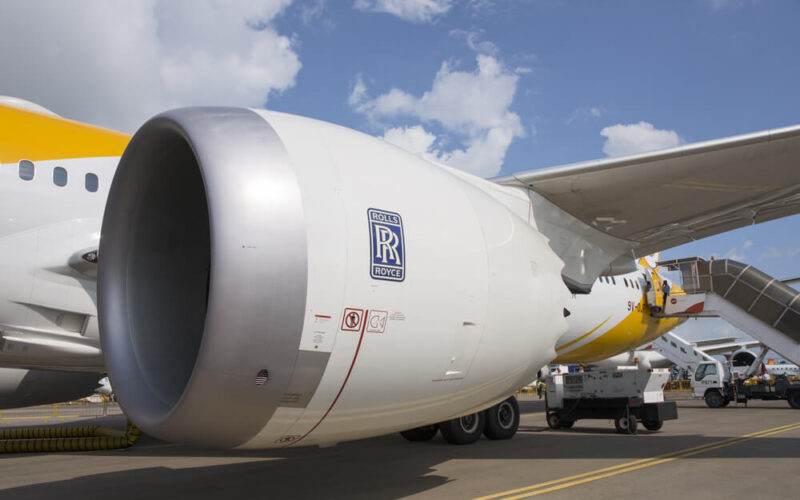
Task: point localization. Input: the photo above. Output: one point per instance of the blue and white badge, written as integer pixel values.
(387, 245)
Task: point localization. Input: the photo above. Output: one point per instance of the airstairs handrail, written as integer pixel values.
(683, 353)
(760, 295)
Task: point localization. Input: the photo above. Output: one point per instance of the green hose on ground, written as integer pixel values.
(51, 439)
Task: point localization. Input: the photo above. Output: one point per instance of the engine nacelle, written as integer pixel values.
(743, 358)
(742, 363)
(268, 280)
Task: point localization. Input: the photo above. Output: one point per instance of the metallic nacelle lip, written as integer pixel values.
(258, 249)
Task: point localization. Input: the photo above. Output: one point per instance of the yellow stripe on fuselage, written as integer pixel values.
(27, 135)
(562, 347)
(638, 328)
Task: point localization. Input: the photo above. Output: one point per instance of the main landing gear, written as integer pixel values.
(501, 421)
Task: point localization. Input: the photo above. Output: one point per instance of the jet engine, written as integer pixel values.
(742, 363)
(743, 358)
(270, 280)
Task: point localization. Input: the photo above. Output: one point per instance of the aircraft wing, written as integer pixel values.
(654, 201)
(728, 348)
(700, 344)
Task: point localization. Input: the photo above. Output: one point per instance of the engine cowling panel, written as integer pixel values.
(280, 280)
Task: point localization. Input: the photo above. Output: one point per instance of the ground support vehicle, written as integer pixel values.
(627, 396)
(720, 389)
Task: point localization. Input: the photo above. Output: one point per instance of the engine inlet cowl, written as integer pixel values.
(203, 275)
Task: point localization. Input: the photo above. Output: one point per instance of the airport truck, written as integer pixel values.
(713, 382)
(625, 395)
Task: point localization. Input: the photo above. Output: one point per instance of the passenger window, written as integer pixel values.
(26, 170)
(613, 280)
(60, 176)
(626, 282)
(91, 182)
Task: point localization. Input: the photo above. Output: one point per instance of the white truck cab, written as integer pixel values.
(709, 375)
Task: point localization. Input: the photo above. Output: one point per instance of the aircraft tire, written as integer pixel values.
(463, 430)
(502, 419)
(794, 399)
(714, 399)
(652, 425)
(424, 433)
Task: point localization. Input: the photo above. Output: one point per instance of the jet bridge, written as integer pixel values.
(762, 306)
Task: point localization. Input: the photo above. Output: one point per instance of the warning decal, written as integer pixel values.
(376, 323)
(352, 319)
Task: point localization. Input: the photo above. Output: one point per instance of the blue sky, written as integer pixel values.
(491, 86)
(702, 69)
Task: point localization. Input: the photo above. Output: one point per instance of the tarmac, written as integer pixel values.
(743, 452)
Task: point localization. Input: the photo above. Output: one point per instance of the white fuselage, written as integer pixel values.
(43, 227)
(782, 369)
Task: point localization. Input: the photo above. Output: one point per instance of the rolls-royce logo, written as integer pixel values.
(387, 245)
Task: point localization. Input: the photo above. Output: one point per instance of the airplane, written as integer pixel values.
(609, 323)
(739, 354)
(605, 333)
(785, 368)
(252, 274)
(49, 344)
(742, 360)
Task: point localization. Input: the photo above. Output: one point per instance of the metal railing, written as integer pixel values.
(678, 385)
(58, 413)
(762, 296)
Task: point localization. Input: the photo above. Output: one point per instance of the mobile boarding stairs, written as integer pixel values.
(762, 306)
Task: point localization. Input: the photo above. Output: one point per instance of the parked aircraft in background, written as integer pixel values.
(282, 280)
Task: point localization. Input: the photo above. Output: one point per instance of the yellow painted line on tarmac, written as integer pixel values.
(586, 477)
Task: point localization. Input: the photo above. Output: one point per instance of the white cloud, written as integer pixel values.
(484, 153)
(474, 105)
(739, 253)
(460, 100)
(635, 138)
(317, 12)
(410, 10)
(590, 112)
(414, 139)
(118, 63)
(359, 92)
(734, 254)
(481, 8)
(773, 252)
(474, 42)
